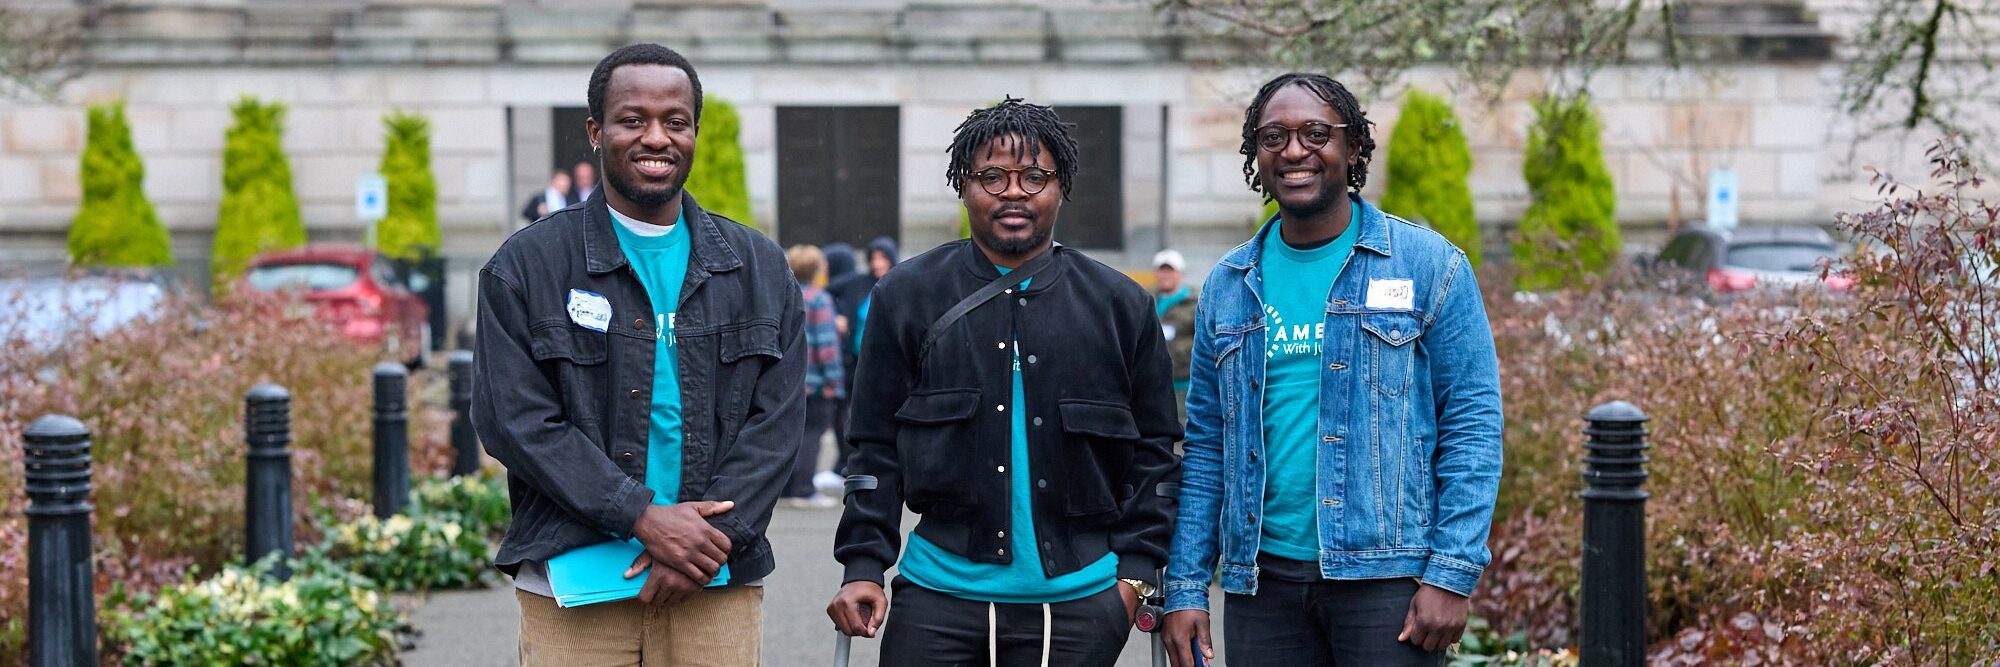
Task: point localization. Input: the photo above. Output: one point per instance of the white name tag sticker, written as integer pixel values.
(1400, 294)
(589, 310)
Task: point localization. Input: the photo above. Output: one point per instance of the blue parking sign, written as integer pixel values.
(371, 197)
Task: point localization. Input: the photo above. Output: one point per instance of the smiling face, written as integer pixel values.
(1014, 224)
(1304, 181)
(646, 137)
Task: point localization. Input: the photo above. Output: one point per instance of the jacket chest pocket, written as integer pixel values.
(576, 358)
(1106, 434)
(934, 442)
(741, 356)
(1390, 350)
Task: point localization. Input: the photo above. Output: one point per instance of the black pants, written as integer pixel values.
(1323, 624)
(931, 629)
(819, 414)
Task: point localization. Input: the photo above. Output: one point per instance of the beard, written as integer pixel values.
(1038, 234)
(1328, 196)
(1016, 245)
(644, 194)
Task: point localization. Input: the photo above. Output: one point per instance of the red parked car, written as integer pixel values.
(355, 288)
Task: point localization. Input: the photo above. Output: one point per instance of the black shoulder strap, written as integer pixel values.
(976, 299)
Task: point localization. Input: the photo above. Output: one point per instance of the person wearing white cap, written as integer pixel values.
(1174, 302)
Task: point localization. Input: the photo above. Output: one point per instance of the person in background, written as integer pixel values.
(1175, 302)
(847, 286)
(551, 199)
(823, 385)
(586, 180)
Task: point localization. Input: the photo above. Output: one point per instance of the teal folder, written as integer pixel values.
(596, 573)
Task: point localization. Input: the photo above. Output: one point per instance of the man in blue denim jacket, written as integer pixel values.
(1343, 438)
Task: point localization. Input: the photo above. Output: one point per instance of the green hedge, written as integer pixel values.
(718, 180)
(115, 226)
(1429, 162)
(1568, 233)
(410, 231)
(259, 211)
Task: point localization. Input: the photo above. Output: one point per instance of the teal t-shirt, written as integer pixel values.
(661, 262)
(1020, 581)
(1297, 284)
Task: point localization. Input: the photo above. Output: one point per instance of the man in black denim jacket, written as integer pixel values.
(1031, 439)
(564, 388)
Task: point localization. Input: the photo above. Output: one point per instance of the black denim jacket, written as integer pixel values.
(1100, 416)
(567, 408)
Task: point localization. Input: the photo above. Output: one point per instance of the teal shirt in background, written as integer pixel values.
(1020, 581)
(1297, 284)
(661, 262)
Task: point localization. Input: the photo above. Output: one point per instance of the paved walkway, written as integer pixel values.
(479, 628)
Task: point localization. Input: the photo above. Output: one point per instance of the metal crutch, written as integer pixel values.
(1151, 614)
(843, 644)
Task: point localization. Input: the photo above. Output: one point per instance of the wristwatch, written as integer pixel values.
(1145, 590)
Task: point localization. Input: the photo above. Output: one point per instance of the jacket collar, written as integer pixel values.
(706, 247)
(1373, 235)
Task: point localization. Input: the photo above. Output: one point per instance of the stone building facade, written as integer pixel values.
(504, 80)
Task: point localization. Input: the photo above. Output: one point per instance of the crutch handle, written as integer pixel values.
(841, 644)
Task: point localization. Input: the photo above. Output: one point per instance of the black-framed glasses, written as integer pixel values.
(1275, 137)
(994, 179)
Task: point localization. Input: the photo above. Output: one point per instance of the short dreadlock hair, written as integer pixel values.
(639, 54)
(1336, 96)
(1037, 125)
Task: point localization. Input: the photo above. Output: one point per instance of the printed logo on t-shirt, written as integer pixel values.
(663, 327)
(1292, 339)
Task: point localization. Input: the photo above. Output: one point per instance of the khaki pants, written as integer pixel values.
(721, 627)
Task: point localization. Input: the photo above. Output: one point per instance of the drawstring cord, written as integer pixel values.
(993, 633)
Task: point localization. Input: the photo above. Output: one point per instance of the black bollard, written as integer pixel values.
(1614, 536)
(267, 504)
(62, 609)
(463, 441)
(392, 439)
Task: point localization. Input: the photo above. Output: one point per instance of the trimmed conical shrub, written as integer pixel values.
(1568, 233)
(410, 230)
(259, 211)
(116, 226)
(1429, 162)
(718, 181)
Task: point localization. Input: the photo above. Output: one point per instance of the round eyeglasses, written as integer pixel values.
(994, 179)
(1275, 137)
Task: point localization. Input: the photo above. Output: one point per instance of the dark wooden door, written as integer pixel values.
(1094, 217)
(839, 171)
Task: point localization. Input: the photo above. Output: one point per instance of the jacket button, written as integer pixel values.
(1031, 358)
(1003, 552)
(1001, 469)
(1038, 421)
(639, 324)
(1001, 535)
(1041, 484)
(628, 456)
(1337, 366)
(1024, 301)
(1253, 517)
(1253, 454)
(1001, 407)
(635, 394)
(1003, 346)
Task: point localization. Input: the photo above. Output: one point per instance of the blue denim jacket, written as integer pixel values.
(1409, 420)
